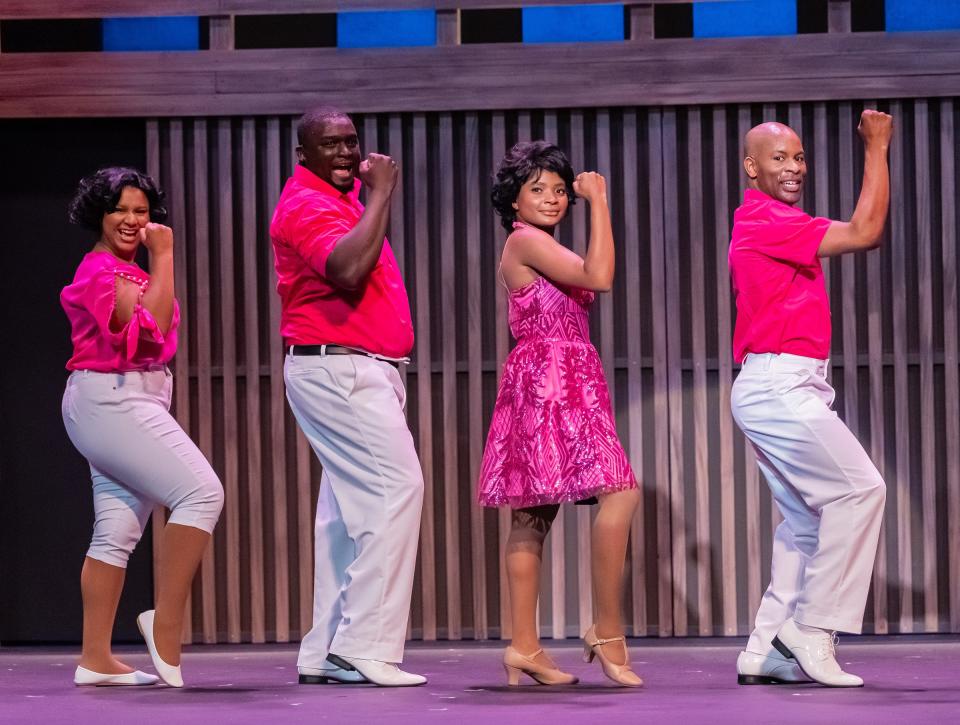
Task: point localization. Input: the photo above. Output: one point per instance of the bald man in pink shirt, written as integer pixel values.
(825, 485)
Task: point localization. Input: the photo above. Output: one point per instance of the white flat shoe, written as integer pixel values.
(168, 673)
(771, 669)
(379, 673)
(330, 674)
(88, 678)
(815, 653)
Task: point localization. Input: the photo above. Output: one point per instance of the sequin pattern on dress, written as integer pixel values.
(552, 436)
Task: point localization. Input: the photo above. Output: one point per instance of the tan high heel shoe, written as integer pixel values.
(514, 663)
(621, 674)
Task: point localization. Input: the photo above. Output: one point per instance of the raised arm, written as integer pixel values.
(863, 230)
(357, 251)
(158, 299)
(542, 253)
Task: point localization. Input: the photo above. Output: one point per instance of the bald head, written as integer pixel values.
(774, 161)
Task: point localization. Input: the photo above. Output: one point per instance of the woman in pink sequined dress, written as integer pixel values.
(552, 437)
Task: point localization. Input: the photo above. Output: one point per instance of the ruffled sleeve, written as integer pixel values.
(141, 330)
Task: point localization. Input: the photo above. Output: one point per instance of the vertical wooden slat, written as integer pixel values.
(221, 32)
(821, 174)
(660, 383)
(701, 473)
(251, 371)
(448, 26)
(631, 279)
(424, 363)
(606, 301)
(728, 525)
(498, 147)
(473, 206)
(839, 19)
(900, 239)
(201, 312)
(928, 463)
(228, 347)
(281, 573)
(448, 321)
(674, 392)
(951, 359)
(640, 21)
(751, 477)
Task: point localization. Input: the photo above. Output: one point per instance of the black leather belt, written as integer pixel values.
(335, 350)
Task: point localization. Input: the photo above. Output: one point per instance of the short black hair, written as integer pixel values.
(99, 193)
(318, 116)
(521, 162)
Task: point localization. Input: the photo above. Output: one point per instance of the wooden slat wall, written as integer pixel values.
(700, 552)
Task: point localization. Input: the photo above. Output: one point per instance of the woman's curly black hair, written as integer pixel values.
(99, 193)
(521, 162)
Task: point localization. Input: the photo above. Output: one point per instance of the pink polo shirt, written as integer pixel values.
(310, 218)
(89, 303)
(782, 303)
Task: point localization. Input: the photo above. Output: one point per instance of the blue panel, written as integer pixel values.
(387, 29)
(923, 14)
(738, 18)
(572, 23)
(179, 33)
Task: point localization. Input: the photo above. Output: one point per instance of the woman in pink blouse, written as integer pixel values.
(115, 409)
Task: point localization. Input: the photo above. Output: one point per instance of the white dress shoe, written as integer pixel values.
(168, 673)
(84, 677)
(771, 669)
(379, 673)
(329, 674)
(815, 653)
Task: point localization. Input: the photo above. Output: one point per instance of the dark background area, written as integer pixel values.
(47, 513)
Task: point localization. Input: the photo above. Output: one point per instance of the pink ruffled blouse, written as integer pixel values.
(89, 303)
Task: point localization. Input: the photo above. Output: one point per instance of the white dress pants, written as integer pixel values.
(139, 456)
(350, 407)
(829, 492)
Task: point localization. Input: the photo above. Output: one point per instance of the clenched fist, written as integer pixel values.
(379, 172)
(157, 238)
(590, 185)
(875, 127)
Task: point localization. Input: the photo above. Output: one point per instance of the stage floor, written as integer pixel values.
(910, 679)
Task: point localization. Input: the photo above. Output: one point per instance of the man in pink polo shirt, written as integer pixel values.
(829, 492)
(346, 320)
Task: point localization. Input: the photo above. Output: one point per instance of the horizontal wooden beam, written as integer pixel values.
(50, 9)
(475, 77)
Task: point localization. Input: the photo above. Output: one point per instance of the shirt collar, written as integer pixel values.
(304, 176)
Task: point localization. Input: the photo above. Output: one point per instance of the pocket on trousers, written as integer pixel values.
(68, 407)
(788, 382)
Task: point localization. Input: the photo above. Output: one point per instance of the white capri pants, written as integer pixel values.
(350, 407)
(825, 485)
(139, 456)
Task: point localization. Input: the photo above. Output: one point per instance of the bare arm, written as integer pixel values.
(541, 253)
(356, 253)
(863, 230)
(158, 299)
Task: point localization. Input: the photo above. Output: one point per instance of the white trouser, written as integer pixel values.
(139, 456)
(350, 407)
(829, 492)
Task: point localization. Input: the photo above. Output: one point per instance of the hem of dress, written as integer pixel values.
(547, 499)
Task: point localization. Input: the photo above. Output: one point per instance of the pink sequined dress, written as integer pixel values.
(552, 437)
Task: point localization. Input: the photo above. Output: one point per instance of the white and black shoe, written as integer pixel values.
(771, 669)
(383, 674)
(329, 674)
(815, 653)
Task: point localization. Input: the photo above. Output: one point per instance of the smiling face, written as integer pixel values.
(775, 162)
(120, 230)
(542, 201)
(331, 150)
